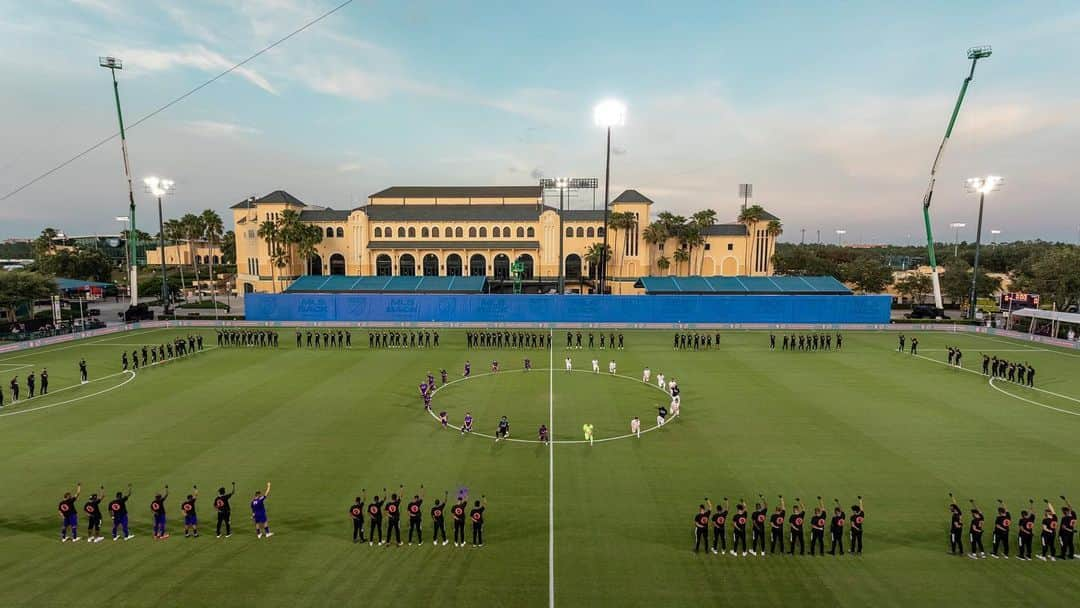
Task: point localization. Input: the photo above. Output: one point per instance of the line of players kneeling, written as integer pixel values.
(1064, 530)
(390, 504)
(760, 516)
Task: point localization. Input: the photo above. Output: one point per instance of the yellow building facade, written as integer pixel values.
(483, 231)
(183, 254)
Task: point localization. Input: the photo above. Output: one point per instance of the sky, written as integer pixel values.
(832, 110)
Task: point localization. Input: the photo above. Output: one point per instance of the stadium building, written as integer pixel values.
(483, 231)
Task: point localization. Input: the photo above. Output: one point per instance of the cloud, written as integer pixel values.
(210, 128)
(196, 57)
(101, 6)
(189, 25)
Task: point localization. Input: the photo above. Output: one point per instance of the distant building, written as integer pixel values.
(482, 231)
(183, 254)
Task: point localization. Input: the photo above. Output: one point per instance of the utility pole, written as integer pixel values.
(113, 64)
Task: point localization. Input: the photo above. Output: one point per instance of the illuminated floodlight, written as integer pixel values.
(979, 52)
(610, 113)
(984, 185)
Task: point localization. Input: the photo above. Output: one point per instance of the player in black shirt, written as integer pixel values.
(415, 515)
(701, 523)
(817, 528)
(738, 528)
(191, 519)
(858, 515)
(1001, 530)
(1049, 530)
(82, 371)
(69, 515)
(374, 510)
(776, 527)
(44, 381)
(477, 517)
(956, 525)
(118, 509)
(458, 513)
(438, 516)
(356, 513)
(157, 509)
(393, 516)
(914, 345)
(975, 532)
(1026, 532)
(92, 508)
(836, 529)
(795, 526)
(719, 520)
(1067, 531)
(224, 510)
(757, 522)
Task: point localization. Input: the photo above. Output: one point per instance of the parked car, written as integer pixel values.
(925, 311)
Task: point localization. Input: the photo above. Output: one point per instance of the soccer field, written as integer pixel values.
(607, 524)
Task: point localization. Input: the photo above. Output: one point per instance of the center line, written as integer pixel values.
(551, 469)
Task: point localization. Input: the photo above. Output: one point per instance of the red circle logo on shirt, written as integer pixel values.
(437, 512)
(355, 511)
(458, 511)
(89, 508)
(391, 509)
(798, 521)
(858, 519)
(720, 519)
(188, 506)
(64, 507)
(219, 503)
(155, 506)
(760, 518)
(373, 510)
(115, 506)
(1006, 523)
(414, 509)
(476, 516)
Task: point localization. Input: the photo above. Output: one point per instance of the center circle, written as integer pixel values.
(525, 400)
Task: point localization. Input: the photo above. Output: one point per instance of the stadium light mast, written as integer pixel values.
(124, 220)
(840, 232)
(159, 187)
(607, 114)
(974, 54)
(112, 64)
(983, 186)
(956, 240)
(563, 185)
(994, 233)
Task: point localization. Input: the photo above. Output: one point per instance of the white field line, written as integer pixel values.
(551, 470)
(1013, 341)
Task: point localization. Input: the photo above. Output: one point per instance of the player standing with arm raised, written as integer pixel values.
(776, 527)
(477, 517)
(956, 525)
(356, 514)
(118, 510)
(738, 528)
(191, 520)
(719, 520)
(1001, 530)
(258, 512)
(795, 525)
(438, 516)
(836, 528)
(92, 508)
(458, 513)
(975, 530)
(1067, 531)
(1026, 534)
(858, 515)
(817, 528)
(1049, 530)
(224, 510)
(69, 515)
(157, 508)
(393, 516)
(374, 510)
(757, 523)
(415, 515)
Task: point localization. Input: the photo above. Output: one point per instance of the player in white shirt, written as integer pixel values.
(675, 406)
(569, 364)
(595, 366)
(611, 367)
(660, 380)
(671, 386)
(645, 375)
(635, 426)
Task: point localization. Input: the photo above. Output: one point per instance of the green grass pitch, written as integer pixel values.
(901, 431)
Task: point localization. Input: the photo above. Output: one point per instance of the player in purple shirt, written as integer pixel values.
(468, 369)
(423, 389)
(528, 364)
(258, 513)
(430, 380)
(466, 427)
(543, 433)
(427, 401)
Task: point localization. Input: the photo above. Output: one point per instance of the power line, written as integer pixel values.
(175, 101)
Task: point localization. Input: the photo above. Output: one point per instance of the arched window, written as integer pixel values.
(412, 232)
(457, 232)
(501, 266)
(530, 232)
(401, 232)
(526, 261)
(506, 231)
(435, 232)
(407, 265)
(600, 231)
(472, 232)
(580, 232)
(315, 265)
(378, 233)
(384, 266)
(337, 264)
(453, 265)
(424, 232)
(573, 266)
(448, 231)
(477, 265)
(569, 232)
(590, 232)
(340, 232)
(217, 260)
(483, 232)
(329, 232)
(520, 232)
(496, 232)
(431, 265)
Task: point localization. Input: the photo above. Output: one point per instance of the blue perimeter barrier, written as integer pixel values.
(567, 309)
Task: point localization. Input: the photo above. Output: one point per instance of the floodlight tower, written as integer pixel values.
(564, 185)
(112, 64)
(974, 54)
(607, 114)
(982, 186)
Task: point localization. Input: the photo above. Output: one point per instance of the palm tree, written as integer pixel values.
(174, 231)
(654, 234)
(691, 237)
(663, 264)
(748, 217)
(774, 229)
(268, 232)
(193, 229)
(621, 220)
(680, 256)
(702, 220)
(596, 253)
(310, 236)
(212, 230)
(290, 233)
